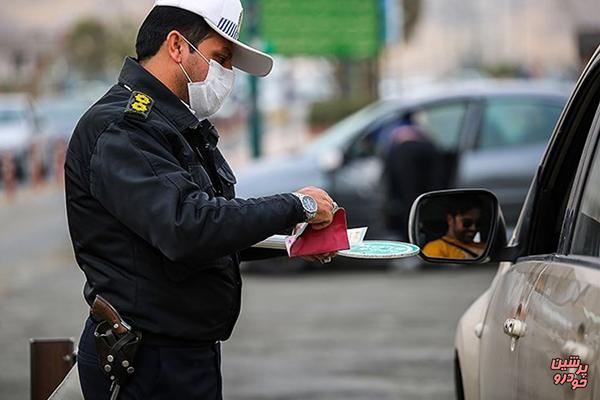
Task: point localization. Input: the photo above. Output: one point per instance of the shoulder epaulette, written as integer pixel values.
(139, 105)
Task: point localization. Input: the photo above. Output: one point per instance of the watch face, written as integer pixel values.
(309, 204)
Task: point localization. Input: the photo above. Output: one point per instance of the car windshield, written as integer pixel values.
(341, 133)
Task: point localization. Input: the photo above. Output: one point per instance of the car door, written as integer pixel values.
(356, 184)
(564, 308)
(447, 123)
(563, 320)
(499, 352)
(510, 141)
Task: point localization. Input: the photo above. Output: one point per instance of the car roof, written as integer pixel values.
(480, 89)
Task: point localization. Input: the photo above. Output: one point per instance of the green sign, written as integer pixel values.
(338, 28)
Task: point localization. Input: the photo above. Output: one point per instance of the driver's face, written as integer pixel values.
(466, 225)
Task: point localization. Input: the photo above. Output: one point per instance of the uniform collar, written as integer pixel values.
(136, 77)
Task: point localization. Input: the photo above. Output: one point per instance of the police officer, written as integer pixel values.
(153, 217)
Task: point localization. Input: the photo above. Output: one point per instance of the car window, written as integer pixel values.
(516, 122)
(443, 122)
(586, 236)
(344, 132)
(549, 218)
(375, 139)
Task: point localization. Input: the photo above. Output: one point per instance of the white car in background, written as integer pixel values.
(19, 130)
(535, 333)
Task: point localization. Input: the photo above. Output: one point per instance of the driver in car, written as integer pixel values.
(462, 239)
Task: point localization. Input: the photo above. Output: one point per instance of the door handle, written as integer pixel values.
(515, 328)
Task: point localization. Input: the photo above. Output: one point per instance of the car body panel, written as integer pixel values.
(279, 175)
(466, 343)
(563, 319)
(498, 357)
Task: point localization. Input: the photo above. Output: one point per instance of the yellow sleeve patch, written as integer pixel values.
(139, 104)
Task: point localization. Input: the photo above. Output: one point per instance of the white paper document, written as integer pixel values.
(277, 242)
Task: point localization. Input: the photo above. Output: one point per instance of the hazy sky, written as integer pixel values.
(57, 15)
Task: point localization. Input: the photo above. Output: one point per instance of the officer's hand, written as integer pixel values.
(325, 206)
(322, 258)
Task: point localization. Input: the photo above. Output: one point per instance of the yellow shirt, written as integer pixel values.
(448, 247)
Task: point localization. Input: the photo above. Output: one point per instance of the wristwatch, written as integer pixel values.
(309, 204)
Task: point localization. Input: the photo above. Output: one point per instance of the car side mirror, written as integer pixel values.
(459, 226)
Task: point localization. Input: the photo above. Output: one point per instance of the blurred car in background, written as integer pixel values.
(19, 130)
(491, 134)
(58, 116)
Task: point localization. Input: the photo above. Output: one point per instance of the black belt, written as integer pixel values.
(160, 340)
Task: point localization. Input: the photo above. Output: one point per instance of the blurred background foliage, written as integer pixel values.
(95, 49)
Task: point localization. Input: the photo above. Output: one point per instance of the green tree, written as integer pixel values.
(122, 44)
(95, 49)
(88, 48)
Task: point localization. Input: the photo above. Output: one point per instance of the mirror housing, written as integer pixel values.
(462, 226)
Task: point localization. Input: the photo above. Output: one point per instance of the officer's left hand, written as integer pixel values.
(322, 258)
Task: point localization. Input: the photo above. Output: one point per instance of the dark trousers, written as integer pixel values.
(161, 372)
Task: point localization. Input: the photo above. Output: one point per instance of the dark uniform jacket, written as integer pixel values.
(152, 215)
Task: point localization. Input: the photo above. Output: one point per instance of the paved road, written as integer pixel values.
(370, 335)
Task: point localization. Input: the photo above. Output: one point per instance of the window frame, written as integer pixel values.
(368, 130)
(465, 120)
(411, 109)
(578, 191)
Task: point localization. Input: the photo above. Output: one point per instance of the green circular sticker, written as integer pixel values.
(381, 249)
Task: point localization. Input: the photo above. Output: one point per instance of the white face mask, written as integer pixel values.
(207, 97)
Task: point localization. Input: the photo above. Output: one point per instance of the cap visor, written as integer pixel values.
(245, 57)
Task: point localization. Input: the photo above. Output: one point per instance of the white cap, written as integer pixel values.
(225, 17)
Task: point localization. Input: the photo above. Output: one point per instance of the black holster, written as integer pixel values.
(116, 352)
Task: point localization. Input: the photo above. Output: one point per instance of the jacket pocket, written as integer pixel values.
(228, 179)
